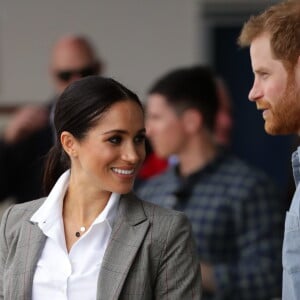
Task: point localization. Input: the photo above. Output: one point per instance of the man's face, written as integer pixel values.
(71, 61)
(164, 127)
(275, 91)
(224, 118)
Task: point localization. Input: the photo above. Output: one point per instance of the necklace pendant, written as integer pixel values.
(81, 230)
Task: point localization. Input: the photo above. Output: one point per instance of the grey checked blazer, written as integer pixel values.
(150, 255)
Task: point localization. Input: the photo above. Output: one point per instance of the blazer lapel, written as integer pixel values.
(36, 242)
(30, 245)
(31, 241)
(127, 235)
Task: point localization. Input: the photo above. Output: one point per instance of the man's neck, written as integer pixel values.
(196, 155)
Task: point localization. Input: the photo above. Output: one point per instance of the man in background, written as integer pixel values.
(274, 40)
(224, 119)
(28, 136)
(154, 165)
(234, 209)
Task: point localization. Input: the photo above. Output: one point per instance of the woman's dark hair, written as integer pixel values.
(77, 110)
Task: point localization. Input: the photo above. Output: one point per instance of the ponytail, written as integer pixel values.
(57, 162)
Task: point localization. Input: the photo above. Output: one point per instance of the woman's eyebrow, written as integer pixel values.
(121, 131)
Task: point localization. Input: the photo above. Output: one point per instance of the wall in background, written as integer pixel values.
(139, 40)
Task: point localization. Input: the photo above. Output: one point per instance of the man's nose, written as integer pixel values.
(148, 127)
(255, 93)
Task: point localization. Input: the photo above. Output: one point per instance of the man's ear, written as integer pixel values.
(193, 120)
(68, 143)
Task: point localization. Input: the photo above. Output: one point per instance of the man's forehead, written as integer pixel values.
(72, 54)
(260, 42)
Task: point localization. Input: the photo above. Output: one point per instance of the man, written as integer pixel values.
(154, 165)
(234, 209)
(28, 136)
(224, 118)
(274, 40)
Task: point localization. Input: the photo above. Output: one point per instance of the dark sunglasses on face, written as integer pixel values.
(66, 75)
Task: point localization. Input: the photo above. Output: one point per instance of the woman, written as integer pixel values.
(91, 238)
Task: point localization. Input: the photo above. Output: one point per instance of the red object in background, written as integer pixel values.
(153, 165)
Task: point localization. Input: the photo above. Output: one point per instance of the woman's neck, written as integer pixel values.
(83, 203)
(80, 209)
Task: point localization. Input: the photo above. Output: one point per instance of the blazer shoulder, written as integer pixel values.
(151, 208)
(136, 210)
(16, 214)
(165, 219)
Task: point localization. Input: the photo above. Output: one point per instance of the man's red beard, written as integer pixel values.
(284, 116)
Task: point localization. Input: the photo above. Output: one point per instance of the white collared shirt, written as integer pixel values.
(61, 275)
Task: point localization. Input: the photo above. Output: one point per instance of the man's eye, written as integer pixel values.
(115, 140)
(264, 75)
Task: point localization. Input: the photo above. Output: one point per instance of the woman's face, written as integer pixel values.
(109, 156)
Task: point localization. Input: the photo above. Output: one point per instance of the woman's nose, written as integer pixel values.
(131, 154)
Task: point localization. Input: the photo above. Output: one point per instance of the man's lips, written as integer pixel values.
(265, 111)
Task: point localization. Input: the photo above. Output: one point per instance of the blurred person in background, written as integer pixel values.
(224, 119)
(274, 40)
(28, 136)
(235, 209)
(155, 165)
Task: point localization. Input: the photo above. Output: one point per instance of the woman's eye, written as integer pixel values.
(139, 139)
(115, 140)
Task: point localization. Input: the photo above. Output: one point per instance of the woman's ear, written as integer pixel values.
(68, 143)
(192, 120)
(297, 71)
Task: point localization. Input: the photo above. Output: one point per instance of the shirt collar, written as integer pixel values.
(210, 167)
(296, 165)
(110, 211)
(184, 185)
(51, 209)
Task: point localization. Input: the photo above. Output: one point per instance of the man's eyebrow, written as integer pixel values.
(260, 70)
